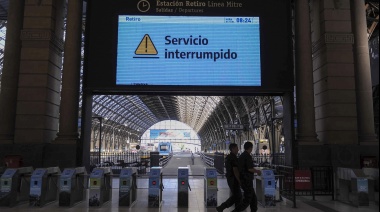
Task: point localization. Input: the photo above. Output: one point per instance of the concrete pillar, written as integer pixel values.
(85, 143)
(363, 84)
(68, 118)
(40, 72)
(10, 73)
(306, 133)
(291, 158)
(335, 90)
(334, 80)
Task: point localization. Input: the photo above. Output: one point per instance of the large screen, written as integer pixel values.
(188, 50)
(195, 47)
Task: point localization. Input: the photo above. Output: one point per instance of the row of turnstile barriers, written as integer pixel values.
(156, 187)
(42, 186)
(100, 189)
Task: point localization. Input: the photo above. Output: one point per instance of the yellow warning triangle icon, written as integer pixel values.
(146, 47)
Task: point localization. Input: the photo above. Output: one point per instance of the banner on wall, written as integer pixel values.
(169, 134)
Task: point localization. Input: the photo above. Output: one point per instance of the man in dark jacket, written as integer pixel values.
(233, 178)
(246, 175)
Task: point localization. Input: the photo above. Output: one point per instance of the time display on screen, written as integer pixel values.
(245, 20)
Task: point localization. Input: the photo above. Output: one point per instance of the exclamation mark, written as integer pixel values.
(146, 44)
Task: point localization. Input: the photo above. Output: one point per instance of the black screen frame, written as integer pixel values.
(99, 75)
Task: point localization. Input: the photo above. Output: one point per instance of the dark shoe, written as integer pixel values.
(219, 208)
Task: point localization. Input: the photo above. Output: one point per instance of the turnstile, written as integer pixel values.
(127, 186)
(210, 187)
(360, 189)
(2, 170)
(72, 186)
(154, 159)
(266, 188)
(43, 186)
(183, 187)
(353, 187)
(155, 187)
(100, 186)
(15, 186)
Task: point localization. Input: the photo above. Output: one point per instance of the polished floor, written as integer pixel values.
(196, 197)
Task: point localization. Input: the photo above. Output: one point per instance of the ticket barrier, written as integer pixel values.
(72, 186)
(100, 186)
(43, 186)
(373, 183)
(183, 187)
(155, 188)
(2, 170)
(15, 186)
(353, 187)
(211, 187)
(128, 186)
(266, 188)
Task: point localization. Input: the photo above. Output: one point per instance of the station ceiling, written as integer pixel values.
(205, 114)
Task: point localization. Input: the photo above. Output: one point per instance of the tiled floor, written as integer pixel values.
(196, 195)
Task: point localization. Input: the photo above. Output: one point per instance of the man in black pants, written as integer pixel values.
(233, 179)
(246, 172)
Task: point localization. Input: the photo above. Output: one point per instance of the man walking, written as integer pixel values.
(233, 178)
(247, 174)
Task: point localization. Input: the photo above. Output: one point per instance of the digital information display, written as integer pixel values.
(195, 47)
(188, 50)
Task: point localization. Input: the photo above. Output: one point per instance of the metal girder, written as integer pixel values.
(372, 11)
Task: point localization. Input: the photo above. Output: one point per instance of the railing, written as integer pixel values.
(263, 160)
(285, 177)
(117, 161)
(322, 182)
(215, 160)
(209, 161)
(260, 160)
(219, 162)
(165, 160)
